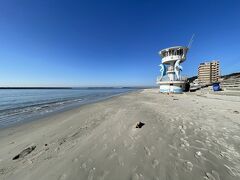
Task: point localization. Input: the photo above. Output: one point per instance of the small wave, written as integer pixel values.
(27, 109)
(10, 116)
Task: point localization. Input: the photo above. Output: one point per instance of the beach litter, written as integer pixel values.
(24, 153)
(140, 124)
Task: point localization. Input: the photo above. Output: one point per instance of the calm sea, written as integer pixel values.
(22, 105)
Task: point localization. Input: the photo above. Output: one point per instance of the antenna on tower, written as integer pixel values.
(191, 41)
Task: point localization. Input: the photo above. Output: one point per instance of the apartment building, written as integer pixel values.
(208, 72)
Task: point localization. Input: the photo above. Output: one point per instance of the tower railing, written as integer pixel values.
(166, 78)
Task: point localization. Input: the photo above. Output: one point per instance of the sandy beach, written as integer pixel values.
(184, 137)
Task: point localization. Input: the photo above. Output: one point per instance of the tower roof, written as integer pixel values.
(173, 48)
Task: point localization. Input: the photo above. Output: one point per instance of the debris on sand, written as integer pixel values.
(24, 153)
(140, 124)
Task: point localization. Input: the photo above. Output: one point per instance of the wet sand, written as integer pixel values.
(187, 136)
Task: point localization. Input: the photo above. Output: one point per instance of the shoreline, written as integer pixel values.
(184, 137)
(63, 109)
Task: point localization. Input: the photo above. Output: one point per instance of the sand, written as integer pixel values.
(187, 136)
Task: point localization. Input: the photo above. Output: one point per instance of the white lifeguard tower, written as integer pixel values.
(172, 57)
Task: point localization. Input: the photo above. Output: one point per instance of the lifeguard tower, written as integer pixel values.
(170, 80)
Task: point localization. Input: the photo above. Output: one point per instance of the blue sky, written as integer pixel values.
(111, 43)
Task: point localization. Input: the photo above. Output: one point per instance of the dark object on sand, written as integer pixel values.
(236, 112)
(140, 124)
(175, 99)
(23, 153)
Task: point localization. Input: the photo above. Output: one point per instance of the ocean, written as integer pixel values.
(23, 105)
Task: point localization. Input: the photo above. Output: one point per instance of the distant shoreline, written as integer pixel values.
(40, 109)
(36, 88)
(137, 87)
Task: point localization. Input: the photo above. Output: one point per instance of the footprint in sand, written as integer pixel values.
(147, 151)
(137, 177)
(63, 177)
(112, 154)
(173, 147)
(208, 143)
(237, 138)
(191, 123)
(182, 129)
(131, 146)
(212, 176)
(75, 160)
(105, 146)
(172, 119)
(231, 170)
(103, 175)
(152, 148)
(188, 166)
(120, 161)
(225, 155)
(155, 163)
(91, 174)
(184, 143)
(136, 137)
(200, 143)
(84, 166)
(125, 143)
(197, 130)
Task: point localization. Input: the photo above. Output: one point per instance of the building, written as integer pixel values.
(208, 72)
(170, 79)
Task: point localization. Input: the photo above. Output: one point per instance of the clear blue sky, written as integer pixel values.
(111, 43)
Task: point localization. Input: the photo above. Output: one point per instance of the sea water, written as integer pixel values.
(22, 105)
